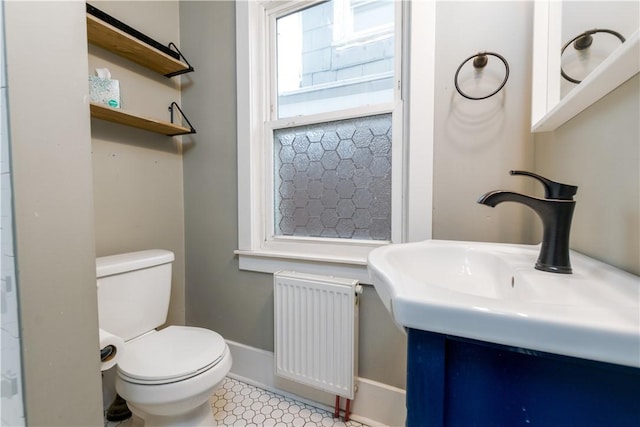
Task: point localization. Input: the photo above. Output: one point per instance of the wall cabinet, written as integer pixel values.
(109, 33)
(549, 111)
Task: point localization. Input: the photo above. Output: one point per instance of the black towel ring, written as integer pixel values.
(479, 62)
(582, 42)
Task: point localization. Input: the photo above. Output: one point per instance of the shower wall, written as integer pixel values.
(12, 412)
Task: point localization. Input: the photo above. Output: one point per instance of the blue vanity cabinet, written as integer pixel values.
(454, 381)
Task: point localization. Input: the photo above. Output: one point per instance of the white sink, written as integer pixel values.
(491, 292)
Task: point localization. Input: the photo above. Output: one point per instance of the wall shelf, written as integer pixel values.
(124, 118)
(109, 33)
(123, 40)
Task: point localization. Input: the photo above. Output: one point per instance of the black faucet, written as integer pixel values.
(552, 189)
(555, 211)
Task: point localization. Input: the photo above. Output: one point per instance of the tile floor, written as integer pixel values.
(235, 403)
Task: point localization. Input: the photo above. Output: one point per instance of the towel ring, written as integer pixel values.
(582, 42)
(479, 62)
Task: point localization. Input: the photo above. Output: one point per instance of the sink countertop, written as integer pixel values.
(491, 292)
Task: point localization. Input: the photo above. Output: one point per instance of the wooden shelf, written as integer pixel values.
(107, 36)
(106, 31)
(122, 117)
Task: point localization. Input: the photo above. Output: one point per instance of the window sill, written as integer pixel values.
(273, 261)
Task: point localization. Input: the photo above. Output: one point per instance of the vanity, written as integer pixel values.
(493, 341)
(455, 381)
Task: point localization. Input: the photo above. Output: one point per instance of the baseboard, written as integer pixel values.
(375, 404)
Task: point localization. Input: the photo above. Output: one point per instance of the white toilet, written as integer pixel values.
(166, 376)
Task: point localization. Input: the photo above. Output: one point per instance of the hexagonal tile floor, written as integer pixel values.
(235, 403)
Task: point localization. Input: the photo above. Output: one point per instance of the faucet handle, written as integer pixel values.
(552, 189)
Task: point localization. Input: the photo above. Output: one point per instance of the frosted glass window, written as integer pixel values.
(337, 54)
(334, 179)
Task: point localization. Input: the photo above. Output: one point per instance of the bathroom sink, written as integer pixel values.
(491, 292)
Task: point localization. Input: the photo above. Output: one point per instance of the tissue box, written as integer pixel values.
(104, 91)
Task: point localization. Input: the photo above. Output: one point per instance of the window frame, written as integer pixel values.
(257, 250)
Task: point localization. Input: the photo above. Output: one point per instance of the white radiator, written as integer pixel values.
(316, 331)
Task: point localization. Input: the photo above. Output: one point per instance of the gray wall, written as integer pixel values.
(51, 148)
(470, 159)
(137, 175)
(599, 151)
(218, 296)
(239, 304)
(63, 162)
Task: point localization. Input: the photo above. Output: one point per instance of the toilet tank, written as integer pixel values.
(133, 291)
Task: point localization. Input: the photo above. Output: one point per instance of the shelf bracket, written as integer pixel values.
(186, 70)
(171, 108)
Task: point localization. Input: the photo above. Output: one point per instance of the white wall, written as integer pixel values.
(599, 151)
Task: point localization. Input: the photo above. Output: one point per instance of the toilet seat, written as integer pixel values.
(172, 354)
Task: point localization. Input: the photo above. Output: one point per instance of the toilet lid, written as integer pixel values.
(172, 354)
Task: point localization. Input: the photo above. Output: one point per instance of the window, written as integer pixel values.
(321, 155)
(317, 73)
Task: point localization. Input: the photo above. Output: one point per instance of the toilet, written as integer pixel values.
(166, 376)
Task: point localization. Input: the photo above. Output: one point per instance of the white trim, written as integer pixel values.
(412, 183)
(397, 171)
(272, 72)
(375, 404)
(420, 116)
(249, 59)
(547, 37)
(270, 262)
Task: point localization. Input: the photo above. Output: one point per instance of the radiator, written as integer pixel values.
(316, 331)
